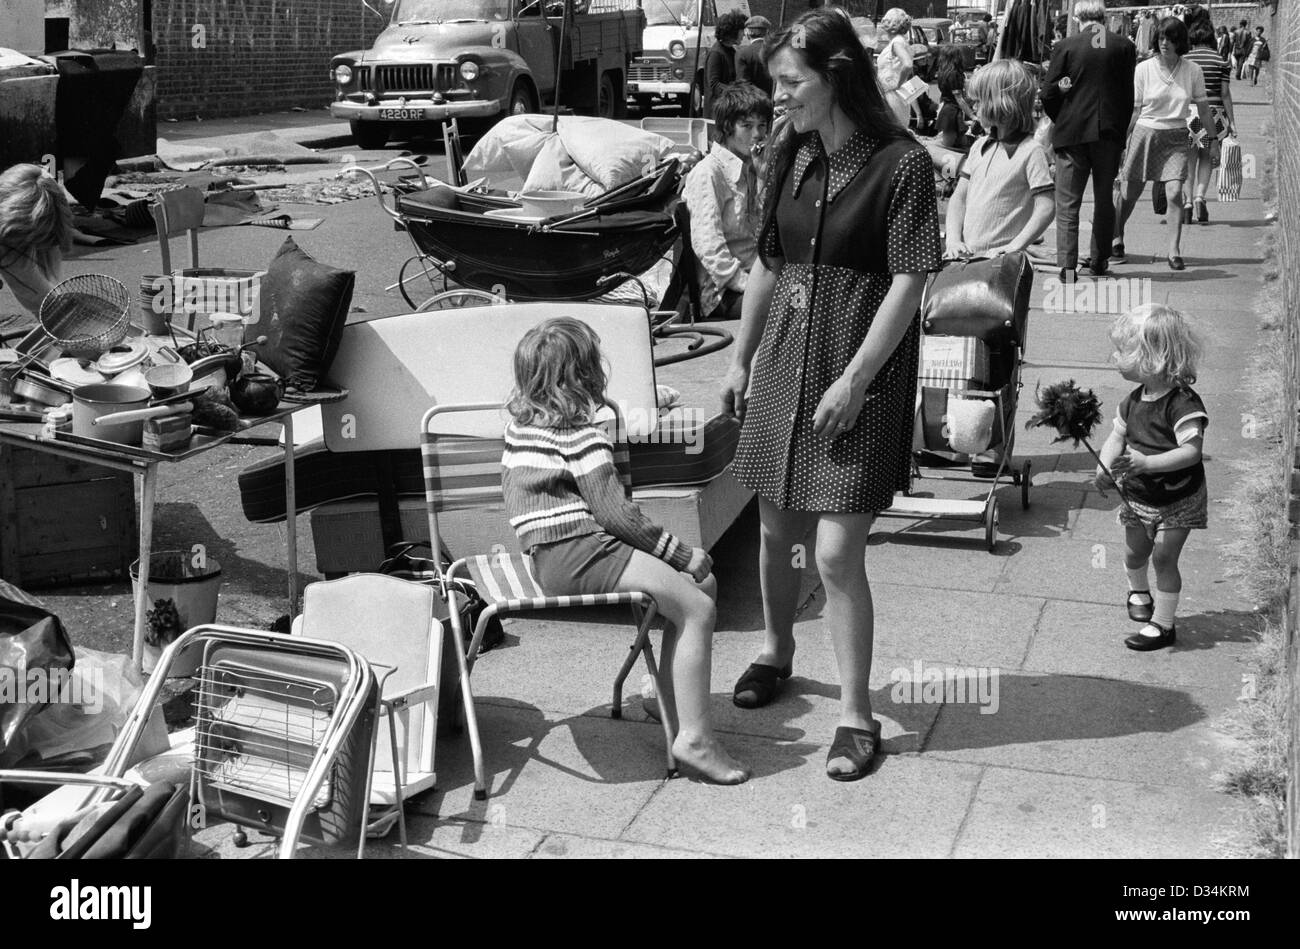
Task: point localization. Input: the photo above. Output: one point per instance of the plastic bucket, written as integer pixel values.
(192, 590)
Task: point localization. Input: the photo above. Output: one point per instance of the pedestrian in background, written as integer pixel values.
(720, 64)
(1259, 55)
(1241, 44)
(1088, 94)
(1165, 90)
(751, 66)
(1204, 155)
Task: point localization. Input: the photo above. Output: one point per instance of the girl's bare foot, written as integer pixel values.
(709, 759)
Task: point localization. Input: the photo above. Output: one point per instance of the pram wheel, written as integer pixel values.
(991, 525)
(1024, 484)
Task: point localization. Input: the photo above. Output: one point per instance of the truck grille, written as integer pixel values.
(414, 78)
(648, 73)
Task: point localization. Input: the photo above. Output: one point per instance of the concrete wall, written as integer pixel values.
(22, 25)
(238, 57)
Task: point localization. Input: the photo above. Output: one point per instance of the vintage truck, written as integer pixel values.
(673, 49)
(479, 60)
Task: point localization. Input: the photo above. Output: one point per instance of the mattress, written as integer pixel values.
(685, 450)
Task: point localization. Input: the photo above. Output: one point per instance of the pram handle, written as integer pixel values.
(371, 173)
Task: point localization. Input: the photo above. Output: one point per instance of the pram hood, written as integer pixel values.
(586, 155)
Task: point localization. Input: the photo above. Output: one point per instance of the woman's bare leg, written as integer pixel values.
(850, 613)
(781, 558)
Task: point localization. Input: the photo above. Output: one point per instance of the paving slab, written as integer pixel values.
(1029, 814)
(576, 775)
(910, 807)
(1086, 639)
(559, 846)
(1128, 731)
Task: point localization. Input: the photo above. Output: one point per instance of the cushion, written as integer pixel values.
(304, 305)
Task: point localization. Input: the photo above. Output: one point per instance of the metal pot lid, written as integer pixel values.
(123, 356)
(71, 371)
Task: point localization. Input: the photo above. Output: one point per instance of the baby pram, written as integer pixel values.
(974, 320)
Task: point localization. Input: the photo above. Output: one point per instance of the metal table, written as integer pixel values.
(144, 463)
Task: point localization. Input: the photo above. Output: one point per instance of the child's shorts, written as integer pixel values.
(591, 563)
(1191, 513)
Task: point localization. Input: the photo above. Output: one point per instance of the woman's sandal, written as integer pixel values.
(1143, 643)
(762, 682)
(1140, 612)
(860, 745)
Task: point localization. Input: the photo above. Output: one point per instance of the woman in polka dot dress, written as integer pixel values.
(824, 377)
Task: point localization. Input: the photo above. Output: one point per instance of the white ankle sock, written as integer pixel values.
(1165, 608)
(1138, 579)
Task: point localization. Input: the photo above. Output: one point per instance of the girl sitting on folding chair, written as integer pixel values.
(583, 534)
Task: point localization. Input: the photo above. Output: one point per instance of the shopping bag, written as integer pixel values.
(1230, 170)
(913, 89)
(405, 564)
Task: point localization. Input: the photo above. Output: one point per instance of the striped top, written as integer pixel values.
(1215, 69)
(562, 483)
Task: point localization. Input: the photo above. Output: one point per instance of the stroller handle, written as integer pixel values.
(371, 173)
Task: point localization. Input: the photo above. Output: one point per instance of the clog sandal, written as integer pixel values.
(759, 685)
(860, 745)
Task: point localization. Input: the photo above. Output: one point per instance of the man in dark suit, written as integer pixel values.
(749, 58)
(1088, 94)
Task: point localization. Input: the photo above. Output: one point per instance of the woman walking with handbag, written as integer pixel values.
(1204, 155)
(1165, 88)
(894, 63)
(824, 372)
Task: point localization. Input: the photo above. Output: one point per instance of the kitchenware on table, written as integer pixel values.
(227, 329)
(124, 363)
(210, 372)
(90, 402)
(86, 315)
(256, 394)
(168, 379)
(139, 415)
(40, 389)
(74, 373)
(156, 304)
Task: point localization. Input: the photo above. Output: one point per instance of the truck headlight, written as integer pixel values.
(676, 50)
(343, 75)
(469, 71)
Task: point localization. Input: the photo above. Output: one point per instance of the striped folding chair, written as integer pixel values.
(464, 472)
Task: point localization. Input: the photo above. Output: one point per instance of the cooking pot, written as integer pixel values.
(40, 389)
(256, 393)
(90, 402)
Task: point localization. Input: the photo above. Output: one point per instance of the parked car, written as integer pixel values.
(874, 41)
(941, 31)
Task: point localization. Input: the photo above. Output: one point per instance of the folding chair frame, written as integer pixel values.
(643, 606)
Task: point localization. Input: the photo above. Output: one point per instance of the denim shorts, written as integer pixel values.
(592, 563)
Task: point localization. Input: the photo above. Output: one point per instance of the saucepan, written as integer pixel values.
(91, 402)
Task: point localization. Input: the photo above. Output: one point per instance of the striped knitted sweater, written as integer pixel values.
(562, 483)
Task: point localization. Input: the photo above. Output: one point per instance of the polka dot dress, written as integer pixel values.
(844, 225)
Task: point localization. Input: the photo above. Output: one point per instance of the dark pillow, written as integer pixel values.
(304, 305)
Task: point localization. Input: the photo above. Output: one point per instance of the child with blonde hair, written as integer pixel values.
(35, 232)
(583, 534)
(1005, 197)
(1154, 450)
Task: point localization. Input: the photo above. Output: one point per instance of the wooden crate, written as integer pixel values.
(64, 521)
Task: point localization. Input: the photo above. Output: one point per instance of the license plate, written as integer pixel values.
(401, 114)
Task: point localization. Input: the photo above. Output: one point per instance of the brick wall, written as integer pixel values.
(238, 57)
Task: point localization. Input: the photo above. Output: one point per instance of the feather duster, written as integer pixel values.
(1074, 413)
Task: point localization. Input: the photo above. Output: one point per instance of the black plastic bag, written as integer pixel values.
(32, 639)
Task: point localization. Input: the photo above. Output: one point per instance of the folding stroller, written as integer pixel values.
(978, 312)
